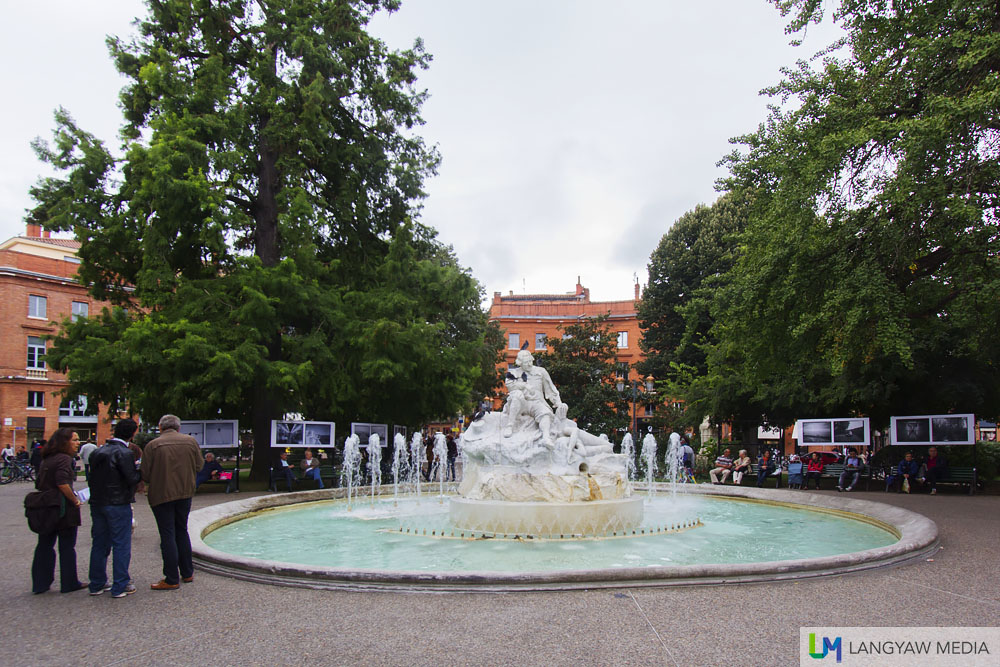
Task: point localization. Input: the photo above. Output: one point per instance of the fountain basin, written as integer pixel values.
(910, 536)
(595, 517)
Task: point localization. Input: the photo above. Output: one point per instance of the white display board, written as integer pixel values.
(213, 433)
(932, 430)
(294, 433)
(838, 432)
(364, 431)
(769, 433)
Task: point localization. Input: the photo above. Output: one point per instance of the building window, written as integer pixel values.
(76, 407)
(36, 399)
(650, 409)
(80, 309)
(36, 352)
(36, 306)
(621, 370)
(513, 341)
(622, 339)
(539, 341)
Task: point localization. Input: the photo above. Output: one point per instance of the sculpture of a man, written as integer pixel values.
(529, 387)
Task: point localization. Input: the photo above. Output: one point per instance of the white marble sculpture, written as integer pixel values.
(531, 451)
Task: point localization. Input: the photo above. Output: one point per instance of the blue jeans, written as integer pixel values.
(110, 532)
(313, 473)
(175, 543)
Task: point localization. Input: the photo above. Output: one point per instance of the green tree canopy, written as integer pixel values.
(255, 233)
(868, 279)
(684, 269)
(583, 366)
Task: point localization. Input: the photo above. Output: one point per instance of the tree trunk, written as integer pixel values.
(266, 248)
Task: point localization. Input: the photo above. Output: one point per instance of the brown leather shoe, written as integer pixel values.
(187, 580)
(162, 585)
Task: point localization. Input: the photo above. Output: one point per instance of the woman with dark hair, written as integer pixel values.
(56, 472)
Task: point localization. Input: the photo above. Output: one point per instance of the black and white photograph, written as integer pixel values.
(816, 432)
(196, 430)
(220, 434)
(954, 429)
(913, 430)
(932, 430)
(364, 431)
(289, 433)
(319, 434)
(849, 431)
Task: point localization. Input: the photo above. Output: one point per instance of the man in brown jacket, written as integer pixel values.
(169, 466)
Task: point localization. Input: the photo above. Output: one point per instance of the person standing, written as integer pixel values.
(113, 479)
(56, 472)
(452, 455)
(86, 450)
(169, 466)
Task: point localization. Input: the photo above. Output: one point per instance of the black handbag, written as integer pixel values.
(45, 510)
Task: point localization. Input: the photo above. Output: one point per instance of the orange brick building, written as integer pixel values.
(532, 318)
(38, 289)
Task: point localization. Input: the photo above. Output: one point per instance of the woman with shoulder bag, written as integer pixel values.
(57, 473)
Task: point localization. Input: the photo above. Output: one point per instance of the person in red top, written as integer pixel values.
(937, 467)
(814, 470)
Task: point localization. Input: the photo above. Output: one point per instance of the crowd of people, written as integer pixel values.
(166, 471)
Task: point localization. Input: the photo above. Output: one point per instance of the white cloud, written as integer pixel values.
(573, 132)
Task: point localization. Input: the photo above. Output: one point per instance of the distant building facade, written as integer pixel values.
(536, 318)
(38, 289)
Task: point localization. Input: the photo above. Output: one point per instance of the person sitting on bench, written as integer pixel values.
(283, 470)
(211, 470)
(741, 466)
(814, 470)
(937, 467)
(723, 464)
(906, 474)
(852, 471)
(310, 468)
(765, 467)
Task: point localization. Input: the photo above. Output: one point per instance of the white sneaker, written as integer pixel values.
(128, 591)
(933, 492)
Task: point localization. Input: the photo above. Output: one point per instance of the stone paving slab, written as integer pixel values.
(221, 621)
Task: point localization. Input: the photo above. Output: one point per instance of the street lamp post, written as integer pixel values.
(635, 420)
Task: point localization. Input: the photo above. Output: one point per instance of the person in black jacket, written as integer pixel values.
(113, 478)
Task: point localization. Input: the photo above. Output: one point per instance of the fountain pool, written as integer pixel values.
(313, 539)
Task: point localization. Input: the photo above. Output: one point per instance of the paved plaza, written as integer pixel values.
(220, 621)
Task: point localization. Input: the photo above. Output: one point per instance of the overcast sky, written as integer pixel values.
(573, 132)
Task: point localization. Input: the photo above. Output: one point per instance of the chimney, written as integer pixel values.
(637, 291)
(34, 231)
(46, 234)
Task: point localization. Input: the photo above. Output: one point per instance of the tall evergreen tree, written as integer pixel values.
(256, 232)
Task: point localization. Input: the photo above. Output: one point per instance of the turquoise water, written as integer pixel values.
(326, 533)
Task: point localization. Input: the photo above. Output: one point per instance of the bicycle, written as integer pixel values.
(16, 471)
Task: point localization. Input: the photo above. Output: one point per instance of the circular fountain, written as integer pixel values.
(545, 505)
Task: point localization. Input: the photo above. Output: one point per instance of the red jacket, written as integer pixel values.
(815, 466)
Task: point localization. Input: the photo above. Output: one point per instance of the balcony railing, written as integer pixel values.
(37, 374)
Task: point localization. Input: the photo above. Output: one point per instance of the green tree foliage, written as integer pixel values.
(255, 234)
(674, 313)
(868, 279)
(583, 367)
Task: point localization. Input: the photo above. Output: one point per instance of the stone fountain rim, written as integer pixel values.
(918, 537)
